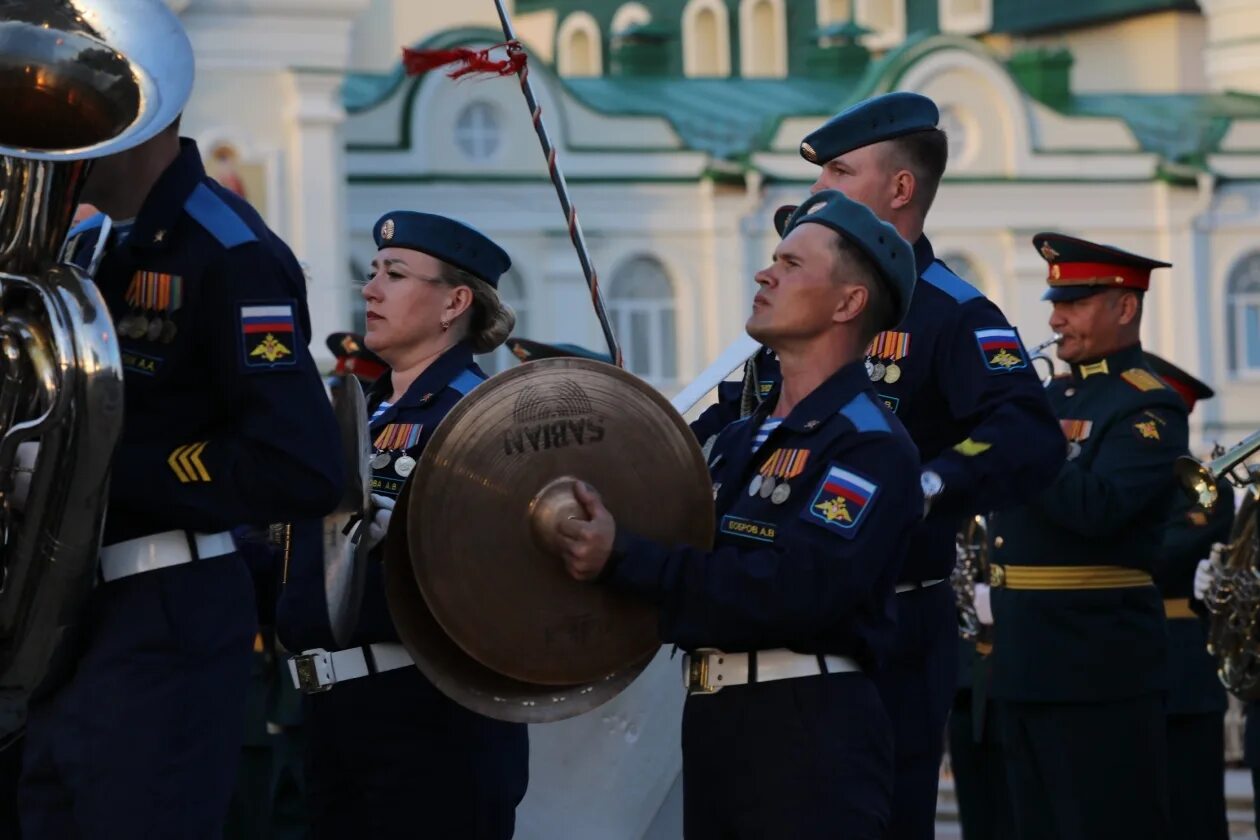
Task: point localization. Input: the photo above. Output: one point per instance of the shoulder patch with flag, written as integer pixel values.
(841, 501)
(1001, 349)
(269, 335)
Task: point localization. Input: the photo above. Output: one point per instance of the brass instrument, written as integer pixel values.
(78, 80)
(475, 584)
(1233, 599)
(1038, 354)
(1199, 479)
(972, 546)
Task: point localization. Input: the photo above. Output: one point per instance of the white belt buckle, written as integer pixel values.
(696, 677)
(312, 671)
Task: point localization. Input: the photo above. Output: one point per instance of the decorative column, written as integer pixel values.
(316, 200)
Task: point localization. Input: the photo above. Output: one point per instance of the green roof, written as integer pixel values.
(728, 118)
(1180, 128)
(731, 118)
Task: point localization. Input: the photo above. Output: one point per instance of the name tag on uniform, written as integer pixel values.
(749, 529)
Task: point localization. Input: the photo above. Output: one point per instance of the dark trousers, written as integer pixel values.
(806, 757)
(10, 772)
(392, 757)
(1196, 776)
(145, 737)
(918, 689)
(984, 801)
(1088, 771)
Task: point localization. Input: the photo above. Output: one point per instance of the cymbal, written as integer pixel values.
(464, 679)
(495, 477)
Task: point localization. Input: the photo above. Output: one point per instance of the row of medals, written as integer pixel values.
(136, 325)
(767, 487)
(403, 466)
(880, 372)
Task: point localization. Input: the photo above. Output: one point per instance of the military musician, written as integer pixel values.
(226, 424)
(786, 620)
(1079, 651)
(385, 744)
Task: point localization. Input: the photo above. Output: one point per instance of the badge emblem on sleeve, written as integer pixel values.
(268, 332)
(1001, 350)
(841, 501)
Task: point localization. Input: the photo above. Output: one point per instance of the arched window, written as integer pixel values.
(580, 50)
(965, 17)
(631, 14)
(1243, 320)
(641, 308)
(706, 39)
(762, 38)
(511, 292)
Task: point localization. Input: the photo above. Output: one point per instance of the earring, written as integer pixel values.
(446, 325)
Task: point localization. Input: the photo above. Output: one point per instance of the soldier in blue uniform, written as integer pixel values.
(226, 424)
(792, 612)
(955, 373)
(1079, 650)
(389, 751)
(1196, 700)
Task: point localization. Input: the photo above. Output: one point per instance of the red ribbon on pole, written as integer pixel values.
(471, 62)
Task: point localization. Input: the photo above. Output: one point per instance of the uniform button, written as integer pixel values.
(1070, 392)
(158, 236)
(998, 542)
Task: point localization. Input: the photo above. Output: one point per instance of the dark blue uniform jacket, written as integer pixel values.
(401, 432)
(227, 422)
(814, 572)
(1108, 507)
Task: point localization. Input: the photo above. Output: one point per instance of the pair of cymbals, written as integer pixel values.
(477, 590)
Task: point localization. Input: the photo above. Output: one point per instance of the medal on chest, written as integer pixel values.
(392, 444)
(771, 481)
(1075, 431)
(885, 350)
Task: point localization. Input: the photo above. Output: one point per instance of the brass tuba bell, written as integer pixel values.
(1199, 479)
(1233, 599)
(79, 79)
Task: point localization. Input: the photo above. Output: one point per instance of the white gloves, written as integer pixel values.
(1206, 572)
(378, 526)
(984, 604)
(26, 454)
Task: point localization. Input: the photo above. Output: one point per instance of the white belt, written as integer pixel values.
(158, 551)
(707, 670)
(317, 670)
(917, 584)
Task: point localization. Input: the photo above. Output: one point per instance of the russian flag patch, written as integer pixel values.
(841, 501)
(269, 333)
(1001, 349)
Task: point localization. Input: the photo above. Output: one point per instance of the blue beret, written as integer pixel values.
(870, 121)
(1079, 268)
(444, 239)
(891, 255)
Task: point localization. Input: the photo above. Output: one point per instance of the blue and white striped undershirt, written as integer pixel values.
(770, 424)
(380, 409)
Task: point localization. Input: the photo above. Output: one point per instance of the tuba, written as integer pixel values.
(972, 567)
(79, 79)
(1233, 599)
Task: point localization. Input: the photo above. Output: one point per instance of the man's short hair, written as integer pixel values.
(853, 265)
(925, 154)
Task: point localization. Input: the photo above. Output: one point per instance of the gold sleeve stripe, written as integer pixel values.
(173, 463)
